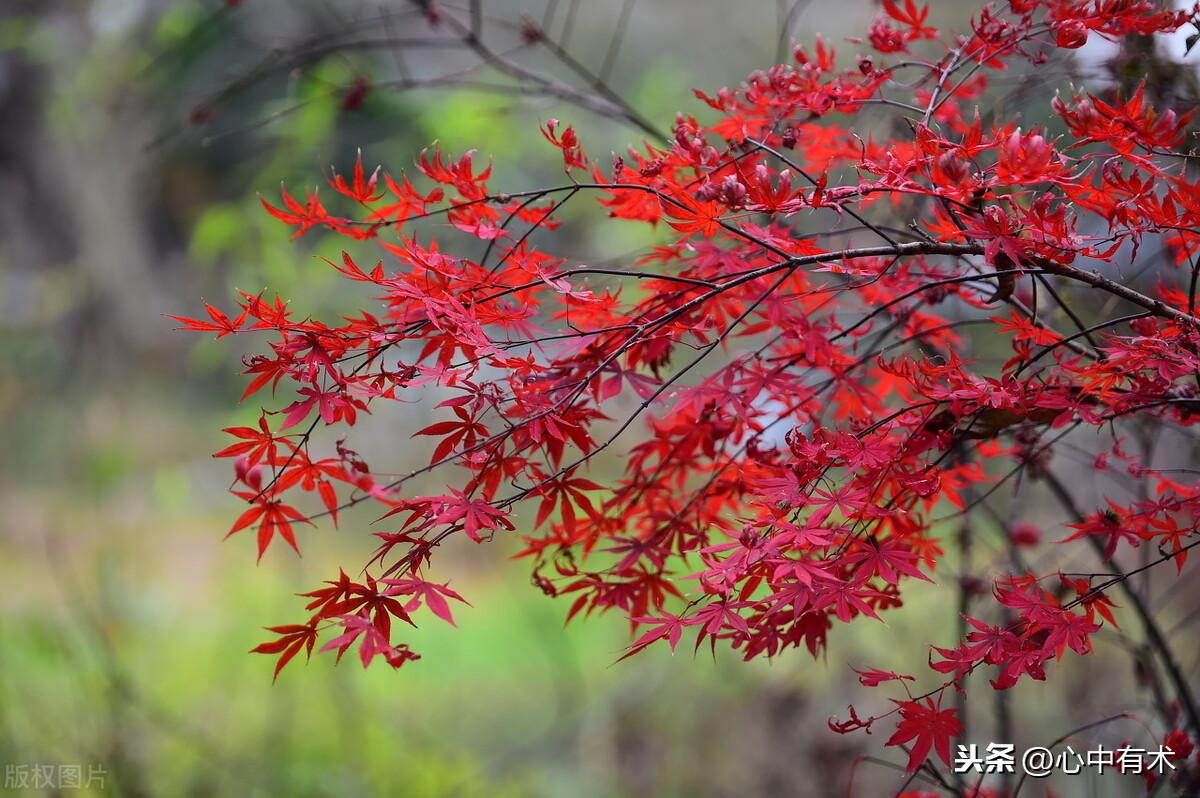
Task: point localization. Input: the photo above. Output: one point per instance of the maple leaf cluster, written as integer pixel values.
(800, 414)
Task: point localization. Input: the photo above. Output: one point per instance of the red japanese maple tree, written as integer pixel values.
(803, 378)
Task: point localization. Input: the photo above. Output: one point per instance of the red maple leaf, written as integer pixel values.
(925, 727)
(292, 638)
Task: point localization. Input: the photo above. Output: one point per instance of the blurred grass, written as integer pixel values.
(147, 661)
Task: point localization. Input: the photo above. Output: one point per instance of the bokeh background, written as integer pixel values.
(129, 182)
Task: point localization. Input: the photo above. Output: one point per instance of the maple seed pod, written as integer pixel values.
(708, 192)
(356, 95)
(973, 586)
(885, 38)
(653, 168)
(251, 475)
(1179, 743)
(200, 114)
(1024, 534)
(1142, 674)
(544, 584)
(1070, 35)
(530, 32)
(937, 294)
(1144, 326)
(952, 166)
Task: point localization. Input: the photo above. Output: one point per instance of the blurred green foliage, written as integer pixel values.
(126, 620)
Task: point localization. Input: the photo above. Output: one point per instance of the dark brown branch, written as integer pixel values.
(1154, 634)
